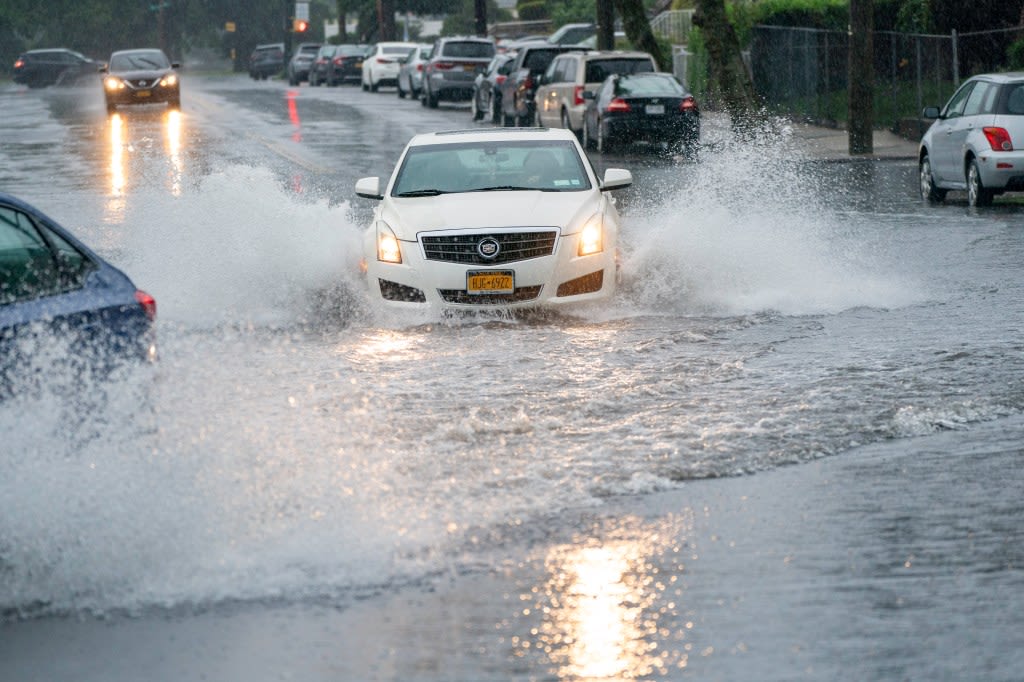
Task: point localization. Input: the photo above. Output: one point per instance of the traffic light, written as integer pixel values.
(300, 25)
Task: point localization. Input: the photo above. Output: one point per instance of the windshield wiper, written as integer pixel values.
(502, 188)
(421, 193)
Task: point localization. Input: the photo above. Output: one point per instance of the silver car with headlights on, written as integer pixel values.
(503, 218)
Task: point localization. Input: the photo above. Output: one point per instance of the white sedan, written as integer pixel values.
(382, 65)
(505, 218)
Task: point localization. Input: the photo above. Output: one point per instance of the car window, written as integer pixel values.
(538, 60)
(980, 101)
(470, 49)
(149, 59)
(650, 85)
(28, 269)
(486, 166)
(394, 49)
(955, 107)
(599, 69)
(1015, 100)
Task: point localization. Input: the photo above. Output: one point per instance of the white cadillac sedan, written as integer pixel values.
(503, 218)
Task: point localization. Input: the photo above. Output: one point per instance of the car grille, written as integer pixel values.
(513, 246)
(460, 296)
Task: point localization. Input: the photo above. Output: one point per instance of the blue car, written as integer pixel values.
(54, 289)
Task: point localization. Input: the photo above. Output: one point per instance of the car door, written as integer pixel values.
(943, 141)
(974, 116)
(549, 94)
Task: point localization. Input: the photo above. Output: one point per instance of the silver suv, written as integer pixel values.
(450, 72)
(559, 98)
(976, 142)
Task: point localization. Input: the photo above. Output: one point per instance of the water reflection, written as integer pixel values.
(603, 604)
(132, 139)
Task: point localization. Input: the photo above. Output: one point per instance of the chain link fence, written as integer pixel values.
(802, 72)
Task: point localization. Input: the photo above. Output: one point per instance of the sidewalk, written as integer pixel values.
(832, 144)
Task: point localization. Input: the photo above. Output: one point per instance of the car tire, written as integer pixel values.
(977, 193)
(474, 107)
(366, 87)
(174, 104)
(401, 92)
(431, 98)
(111, 108)
(567, 124)
(929, 192)
(601, 144)
(374, 87)
(495, 110)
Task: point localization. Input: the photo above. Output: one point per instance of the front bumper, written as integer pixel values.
(562, 278)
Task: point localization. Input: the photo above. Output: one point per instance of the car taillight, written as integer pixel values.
(500, 79)
(528, 82)
(688, 104)
(338, 61)
(419, 67)
(577, 95)
(147, 302)
(444, 66)
(618, 104)
(19, 63)
(382, 60)
(998, 139)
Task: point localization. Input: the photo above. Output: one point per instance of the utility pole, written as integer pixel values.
(480, 11)
(861, 78)
(605, 25)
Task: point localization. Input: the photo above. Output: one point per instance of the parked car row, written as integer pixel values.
(606, 98)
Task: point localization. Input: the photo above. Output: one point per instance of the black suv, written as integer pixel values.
(518, 90)
(450, 72)
(266, 60)
(40, 68)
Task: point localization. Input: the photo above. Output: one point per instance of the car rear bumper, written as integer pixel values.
(1002, 170)
(653, 129)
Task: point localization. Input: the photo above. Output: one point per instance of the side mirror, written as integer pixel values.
(175, 65)
(616, 178)
(588, 95)
(930, 112)
(369, 188)
(103, 68)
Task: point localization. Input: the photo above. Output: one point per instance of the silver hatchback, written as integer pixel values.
(971, 144)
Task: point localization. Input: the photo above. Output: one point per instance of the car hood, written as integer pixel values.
(566, 210)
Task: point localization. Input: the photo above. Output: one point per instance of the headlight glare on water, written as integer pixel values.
(592, 237)
(388, 249)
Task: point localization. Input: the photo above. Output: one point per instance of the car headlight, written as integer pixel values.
(112, 83)
(168, 80)
(388, 249)
(592, 237)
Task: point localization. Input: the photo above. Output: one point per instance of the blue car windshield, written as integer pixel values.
(545, 165)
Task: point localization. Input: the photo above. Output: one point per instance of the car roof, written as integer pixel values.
(626, 54)
(137, 50)
(1005, 77)
(492, 135)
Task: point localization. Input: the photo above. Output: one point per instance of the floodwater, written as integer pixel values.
(789, 449)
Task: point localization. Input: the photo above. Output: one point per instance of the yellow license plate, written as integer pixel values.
(143, 93)
(490, 282)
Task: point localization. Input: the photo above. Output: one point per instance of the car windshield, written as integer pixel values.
(395, 49)
(538, 60)
(352, 49)
(139, 61)
(472, 49)
(546, 165)
(599, 69)
(649, 85)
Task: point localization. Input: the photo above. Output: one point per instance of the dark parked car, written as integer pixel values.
(40, 68)
(53, 286)
(301, 62)
(346, 66)
(143, 76)
(487, 88)
(318, 69)
(266, 60)
(642, 107)
(520, 88)
(452, 68)
(976, 143)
